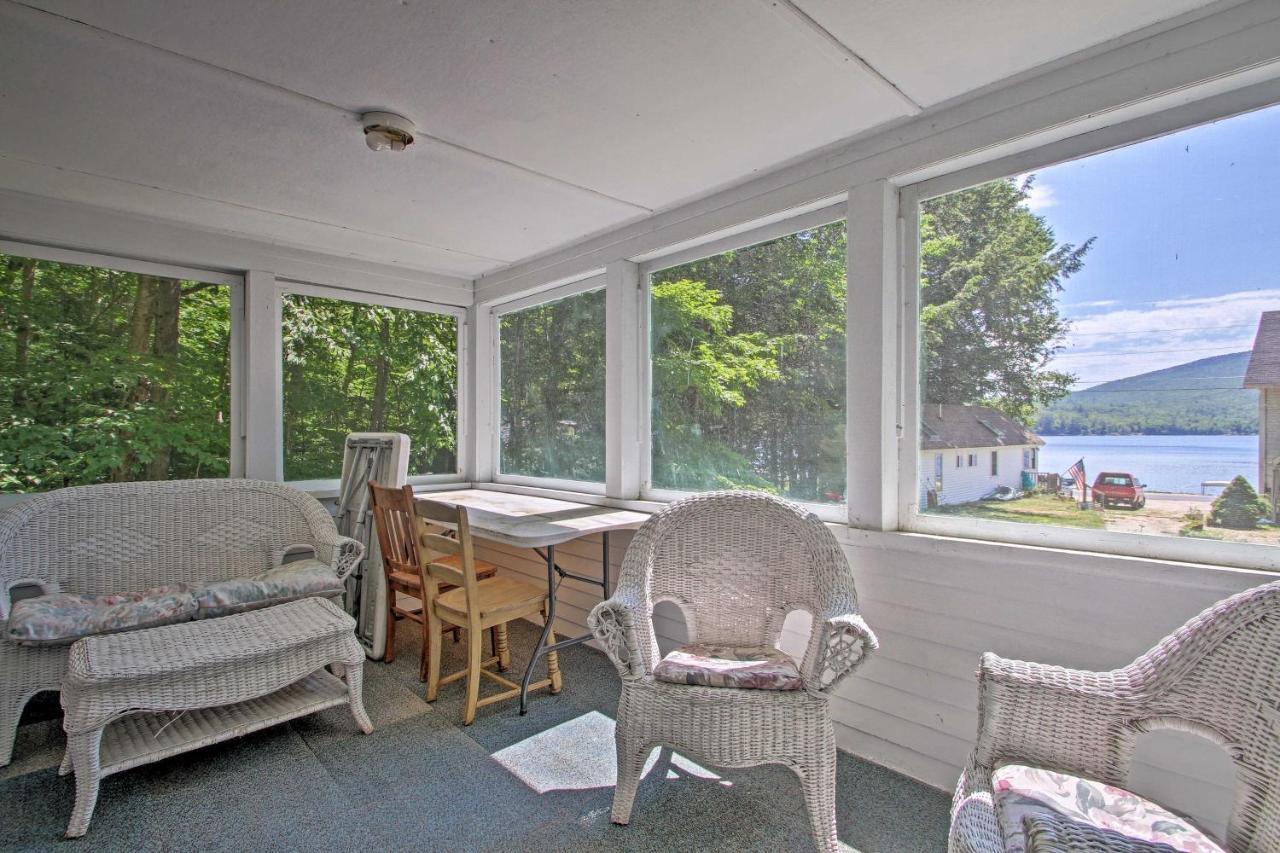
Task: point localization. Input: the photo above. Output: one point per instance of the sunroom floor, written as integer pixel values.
(422, 781)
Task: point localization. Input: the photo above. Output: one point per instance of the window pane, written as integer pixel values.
(1108, 329)
(108, 376)
(553, 389)
(351, 367)
(748, 369)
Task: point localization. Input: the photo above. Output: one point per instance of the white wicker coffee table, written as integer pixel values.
(225, 677)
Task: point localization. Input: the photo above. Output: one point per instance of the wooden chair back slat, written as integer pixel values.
(426, 512)
(441, 544)
(393, 517)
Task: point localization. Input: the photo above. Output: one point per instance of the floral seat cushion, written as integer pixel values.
(1023, 792)
(63, 617)
(299, 579)
(749, 667)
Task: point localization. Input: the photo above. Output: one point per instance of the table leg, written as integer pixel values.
(85, 750)
(540, 649)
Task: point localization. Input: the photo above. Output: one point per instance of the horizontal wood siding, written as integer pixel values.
(937, 604)
(970, 482)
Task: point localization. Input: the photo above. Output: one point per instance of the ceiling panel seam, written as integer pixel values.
(296, 218)
(352, 115)
(797, 15)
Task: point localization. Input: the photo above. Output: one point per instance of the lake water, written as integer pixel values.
(1166, 463)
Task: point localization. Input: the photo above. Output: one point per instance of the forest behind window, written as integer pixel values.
(352, 367)
(109, 376)
(748, 369)
(553, 372)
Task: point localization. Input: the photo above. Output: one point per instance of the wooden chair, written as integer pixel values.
(474, 603)
(394, 518)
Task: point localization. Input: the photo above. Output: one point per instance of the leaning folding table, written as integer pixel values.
(540, 524)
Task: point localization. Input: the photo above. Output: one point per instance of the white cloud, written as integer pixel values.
(1040, 197)
(1113, 344)
(1100, 303)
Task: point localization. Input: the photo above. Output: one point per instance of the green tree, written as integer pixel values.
(553, 374)
(1238, 507)
(749, 368)
(107, 375)
(990, 275)
(351, 367)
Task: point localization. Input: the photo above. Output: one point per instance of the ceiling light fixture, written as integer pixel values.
(387, 131)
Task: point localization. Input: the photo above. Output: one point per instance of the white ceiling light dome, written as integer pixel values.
(387, 131)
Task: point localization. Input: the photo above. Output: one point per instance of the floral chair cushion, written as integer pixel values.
(299, 579)
(1022, 792)
(63, 617)
(752, 667)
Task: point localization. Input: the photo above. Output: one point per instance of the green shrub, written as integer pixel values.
(1238, 507)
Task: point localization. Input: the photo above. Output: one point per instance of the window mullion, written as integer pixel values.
(872, 356)
(623, 391)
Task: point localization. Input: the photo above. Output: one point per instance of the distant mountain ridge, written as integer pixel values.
(1202, 397)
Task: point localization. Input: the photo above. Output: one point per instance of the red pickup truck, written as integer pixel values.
(1114, 488)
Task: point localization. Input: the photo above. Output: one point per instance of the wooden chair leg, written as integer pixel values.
(436, 635)
(475, 641)
(498, 639)
(389, 639)
(426, 645)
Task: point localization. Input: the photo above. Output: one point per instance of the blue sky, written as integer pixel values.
(1187, 251)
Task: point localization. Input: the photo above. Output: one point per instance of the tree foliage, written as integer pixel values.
(749, 368)
(110, 376)
(990, 275)
(1238, 507)
(553, 371)
(351, 367)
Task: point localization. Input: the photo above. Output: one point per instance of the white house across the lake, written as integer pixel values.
(966, 452)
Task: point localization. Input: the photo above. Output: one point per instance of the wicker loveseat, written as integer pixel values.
(130, 537)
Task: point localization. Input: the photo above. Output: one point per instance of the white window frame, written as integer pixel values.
(834, 211)
(1120, 134)
(235, 284)
(594, 282)
(325, 487)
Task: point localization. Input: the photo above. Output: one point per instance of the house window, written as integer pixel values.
(995, 463)
(358, 367)
(959, 460)
(1131, 338)
(552, 364)
(973, 460)
(937, 472)
(111, 376)
(747, 369)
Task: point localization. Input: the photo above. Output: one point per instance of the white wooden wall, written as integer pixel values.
(970, 483)
(937, 604)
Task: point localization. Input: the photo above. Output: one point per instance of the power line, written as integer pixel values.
(1159, 331)
(1143, 351)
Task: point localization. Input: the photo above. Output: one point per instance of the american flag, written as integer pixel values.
(1076, 472)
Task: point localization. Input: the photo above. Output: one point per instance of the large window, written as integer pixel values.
(110, 376)
(356, 367)
(748, 369)
(1107, 329)
(552, 385)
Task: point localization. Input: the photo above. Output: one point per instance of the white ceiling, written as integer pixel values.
(543, 121)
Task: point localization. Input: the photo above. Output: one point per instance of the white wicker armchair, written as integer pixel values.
(1217, 676)
(736, 563)
(129, 537)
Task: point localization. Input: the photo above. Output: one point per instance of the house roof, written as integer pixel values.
(1264, 363)
(944, 425)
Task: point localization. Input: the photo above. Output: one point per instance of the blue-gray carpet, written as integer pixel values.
(422, 781)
